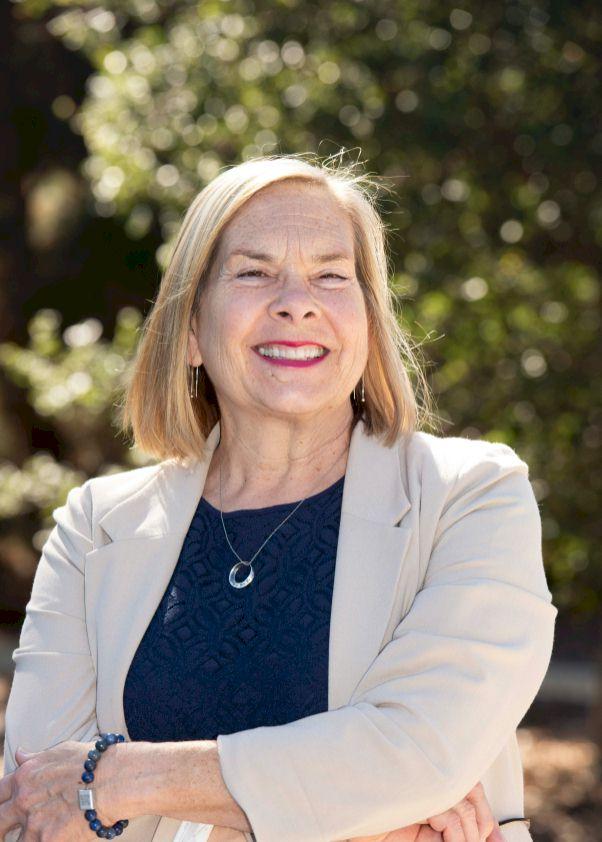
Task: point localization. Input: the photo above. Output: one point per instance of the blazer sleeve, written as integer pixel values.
(53, 693)
(441, 699)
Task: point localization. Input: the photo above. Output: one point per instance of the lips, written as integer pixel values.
(284, 361)
(289, 343)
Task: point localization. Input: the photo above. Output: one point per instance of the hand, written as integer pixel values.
(470, 820)
(40, 796)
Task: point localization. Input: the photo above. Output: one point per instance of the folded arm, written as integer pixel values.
(442, 698)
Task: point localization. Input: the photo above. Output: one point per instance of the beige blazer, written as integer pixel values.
(441, 633)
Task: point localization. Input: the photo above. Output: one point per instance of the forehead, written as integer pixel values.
(305, 212)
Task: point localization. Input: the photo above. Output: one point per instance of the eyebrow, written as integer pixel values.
(268, 258)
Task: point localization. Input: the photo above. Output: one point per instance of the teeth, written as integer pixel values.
(308, 353)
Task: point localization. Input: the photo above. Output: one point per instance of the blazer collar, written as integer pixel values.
(373, 490)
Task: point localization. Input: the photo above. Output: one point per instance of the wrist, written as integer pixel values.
(178, 779)
(114, 785)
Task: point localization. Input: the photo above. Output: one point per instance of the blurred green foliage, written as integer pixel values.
(481, 117)
(71, 377)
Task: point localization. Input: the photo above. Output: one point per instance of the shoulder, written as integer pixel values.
(100, 493)
(452, 456)
(447, 466)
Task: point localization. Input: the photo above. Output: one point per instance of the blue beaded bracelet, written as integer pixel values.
(86, 800)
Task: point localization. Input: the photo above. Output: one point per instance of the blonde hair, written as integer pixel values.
(164, 420)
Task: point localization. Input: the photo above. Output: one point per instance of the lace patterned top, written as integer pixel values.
(217, 659)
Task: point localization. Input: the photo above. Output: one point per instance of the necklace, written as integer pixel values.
(241, 562)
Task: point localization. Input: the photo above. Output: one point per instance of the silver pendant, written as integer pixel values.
(234, 571)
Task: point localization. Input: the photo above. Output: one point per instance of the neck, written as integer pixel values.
(270, 460)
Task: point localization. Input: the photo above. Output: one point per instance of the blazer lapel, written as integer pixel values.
(371, 579)
(126, 578)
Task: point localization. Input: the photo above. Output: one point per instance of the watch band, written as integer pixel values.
(521, 819)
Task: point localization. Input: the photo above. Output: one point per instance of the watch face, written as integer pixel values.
(85, 799)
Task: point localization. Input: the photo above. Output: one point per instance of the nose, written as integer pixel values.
(293, 301)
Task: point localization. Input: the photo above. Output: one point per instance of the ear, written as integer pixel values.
(193, 356)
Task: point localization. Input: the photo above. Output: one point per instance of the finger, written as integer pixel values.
(21, 756)
(458, 824)
(6, 787)
(468, 818)
(485, 818)
(496, 834)
(454, 831)
(427, 834)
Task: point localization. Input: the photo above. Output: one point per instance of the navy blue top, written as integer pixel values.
(217, 659)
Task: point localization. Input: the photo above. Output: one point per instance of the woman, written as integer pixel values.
(193, 606)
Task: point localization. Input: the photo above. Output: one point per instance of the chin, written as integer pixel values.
(295, 405)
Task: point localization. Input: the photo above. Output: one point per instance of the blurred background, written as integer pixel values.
(481, 119)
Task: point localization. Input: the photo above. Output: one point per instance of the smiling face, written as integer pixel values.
(283, 282)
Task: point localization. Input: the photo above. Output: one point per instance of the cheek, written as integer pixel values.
(225, 328)
(353, 320)
(221, 320)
